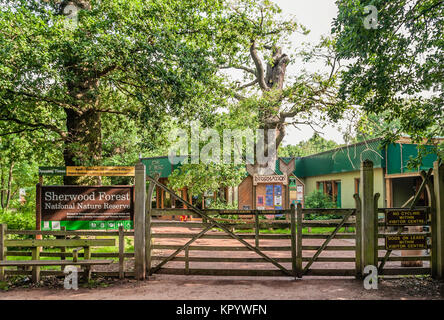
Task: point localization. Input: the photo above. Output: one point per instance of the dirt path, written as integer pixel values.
(163, 287)
(170, 287)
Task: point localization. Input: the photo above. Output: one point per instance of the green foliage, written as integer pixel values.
(18, 220)
(318, 199)
(201, 178)
(395, 71)
(315, 144)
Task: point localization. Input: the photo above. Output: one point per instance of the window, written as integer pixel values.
(332, 188)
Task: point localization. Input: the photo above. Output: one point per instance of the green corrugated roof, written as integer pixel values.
(343, 159)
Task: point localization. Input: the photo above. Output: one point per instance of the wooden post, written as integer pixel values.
(254, 198)
(299, 241)
(432, 221)
(148, 230)
(358, 237)
(121, 253)
(139, 221)
(35, 269)
(438, 176)
(187, 262)
(256, 229)
(38, 209)
(87, 256)
(3, 228)
(369, 220)
(293, 240)
(62, 249)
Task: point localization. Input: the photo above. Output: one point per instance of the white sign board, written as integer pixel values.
(270, 179)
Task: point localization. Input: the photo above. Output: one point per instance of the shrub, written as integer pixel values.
(18, 220)
(319, 200)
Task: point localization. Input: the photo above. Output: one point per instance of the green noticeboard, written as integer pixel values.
(87, 225)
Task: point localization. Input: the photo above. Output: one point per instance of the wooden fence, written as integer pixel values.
(64, 253)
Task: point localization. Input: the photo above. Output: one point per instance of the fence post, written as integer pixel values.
(148, 230)
(358, 237)
(369, 217)
(438, 176)
(121, 252)
(3, 228)
(139, 221)
(256, 228)
(299, 241)
(293, 239)
(38, 209)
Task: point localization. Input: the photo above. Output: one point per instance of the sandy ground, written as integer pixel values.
(167, 287)
(173, 287)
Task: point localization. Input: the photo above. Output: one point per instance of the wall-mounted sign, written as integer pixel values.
(270, 179)
(87, 171)
(400, 217)
(406, 242)
(86, 207)
(260, 200)
(52, 171)
(100, 171)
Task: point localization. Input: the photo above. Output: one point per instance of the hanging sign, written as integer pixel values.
(403, 217)
(406, 242)
(270, 179)
(100, 171)
(87, 171)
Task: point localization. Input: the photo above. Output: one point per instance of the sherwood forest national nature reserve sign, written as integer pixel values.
(86, 207)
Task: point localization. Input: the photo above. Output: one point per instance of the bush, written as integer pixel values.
(319, 200)
(18, 220)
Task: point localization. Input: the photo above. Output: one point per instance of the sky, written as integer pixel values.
(317, 16)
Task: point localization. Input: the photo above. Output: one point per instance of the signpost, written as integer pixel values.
(86, 207)
(406, 242)
(270, 179)
(400, 217)
(87, 171)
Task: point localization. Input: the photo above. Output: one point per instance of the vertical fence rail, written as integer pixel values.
(369, 217)
(148, 228)
(438, 170)
(3, 228)
(256, 229)
(139, 221)
(121, 253)
(299, 241)
(293, 240)
(358, 236)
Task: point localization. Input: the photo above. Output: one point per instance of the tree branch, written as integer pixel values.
(259, 67)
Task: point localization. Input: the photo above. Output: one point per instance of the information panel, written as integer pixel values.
(406, 242)
(401, 217)
(87, 207)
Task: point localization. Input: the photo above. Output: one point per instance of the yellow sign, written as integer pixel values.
(100, 171)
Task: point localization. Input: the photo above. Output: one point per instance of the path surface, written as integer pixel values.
(171, 287)
(167, 287)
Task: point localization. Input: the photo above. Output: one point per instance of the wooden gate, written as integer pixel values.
(251, 254)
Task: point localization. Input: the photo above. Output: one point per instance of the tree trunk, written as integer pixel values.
(2, 191)
(8, 194)
(270, 119)
(84, 143)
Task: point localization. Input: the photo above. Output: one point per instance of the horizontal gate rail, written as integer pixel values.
(221, 226)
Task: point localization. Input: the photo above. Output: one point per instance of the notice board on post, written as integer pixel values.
(86, 207)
